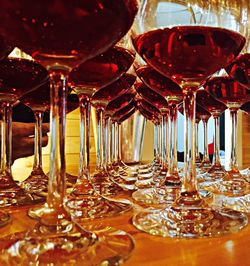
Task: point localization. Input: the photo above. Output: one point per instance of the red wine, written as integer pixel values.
(39, 99)
(189, 53)
(5, 48)
(72, 102)
(148, 107)
(101, 70)
(246, 107)
(19, 76)
(66, 28)
(239, 70)
(157, 82)
(202, 113)
(227, 91)
(206, 100)
(119, 103)
(105, 95)
(152, 97)
(123, 114)
(148, 115)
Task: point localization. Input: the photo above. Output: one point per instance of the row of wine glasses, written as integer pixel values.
(40, 32)
(180, 47)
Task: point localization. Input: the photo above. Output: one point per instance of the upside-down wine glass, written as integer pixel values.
(233, 190)
(61, 35)
(18, 76)
(188, 53)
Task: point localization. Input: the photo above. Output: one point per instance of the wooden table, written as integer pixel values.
(151, 250)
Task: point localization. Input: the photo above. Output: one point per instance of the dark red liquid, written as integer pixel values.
(157, 82)
(78, 28)
(151, 96)
(101, 70)
(119, 103)
(105, 95)
(239, 69)
(149, 107)
(206, 100)
(19, 76)
(39, 99)
(189, 53)
(202, 113)
(227, 90)
(5, 48)
(148, 115)
(124, 113)
(246, 107)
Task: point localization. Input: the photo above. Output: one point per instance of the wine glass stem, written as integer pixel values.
(205, 144)
(233, 158)
(164, 141)
(189, 182)
(99, 154)
(38, 141)
(216, 158)
(106, 144)
(118, 137)
(84, 167)
(172, 141)
(6, 144)
(56, 186)
(156, 141)
(197, 153)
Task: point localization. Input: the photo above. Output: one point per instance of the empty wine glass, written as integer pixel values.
(61, 35)
(173, 37)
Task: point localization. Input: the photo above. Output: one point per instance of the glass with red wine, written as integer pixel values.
(61, 35)
(18, 77)
(188, 41)
(233, 190)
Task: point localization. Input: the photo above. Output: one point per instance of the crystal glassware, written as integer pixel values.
(179, 40)
(61, 35)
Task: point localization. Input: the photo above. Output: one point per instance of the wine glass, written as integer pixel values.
(246, 172)
(38, 101)
(100, 101)
(204, 116)
(216, 108)
(233, 191)
(18, 76)
(188, 41)
(61, 35)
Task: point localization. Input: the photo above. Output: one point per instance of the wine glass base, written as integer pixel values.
(5, 218)
(92, 207)
(106, 247)
(190, 222)
(160, 197)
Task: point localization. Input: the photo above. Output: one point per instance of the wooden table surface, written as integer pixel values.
(233, 249)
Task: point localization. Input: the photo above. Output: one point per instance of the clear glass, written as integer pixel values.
(37, 182)
(189, 216)
(56, 231)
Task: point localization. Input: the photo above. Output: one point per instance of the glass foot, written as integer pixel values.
(4, 218)
(79, 247)
(190, 222)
